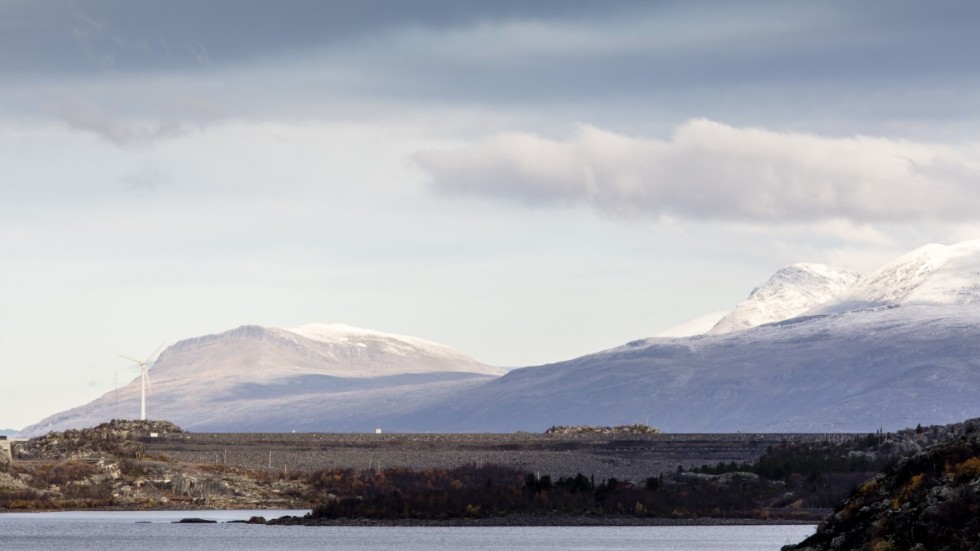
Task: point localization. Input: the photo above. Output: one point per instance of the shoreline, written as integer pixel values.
(528, 520)
(540, 521)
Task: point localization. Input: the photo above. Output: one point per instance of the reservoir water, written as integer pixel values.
(154, 530)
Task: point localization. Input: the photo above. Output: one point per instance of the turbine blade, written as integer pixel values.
(155, 352)
(146, 374)
(130, 359)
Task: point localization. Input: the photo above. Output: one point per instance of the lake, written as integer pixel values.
(154, 530)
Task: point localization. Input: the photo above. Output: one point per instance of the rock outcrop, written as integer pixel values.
(117, 437)
(928, 501)
(109, 466)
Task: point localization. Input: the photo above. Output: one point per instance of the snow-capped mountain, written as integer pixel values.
(851, 372)
(314, 377)
(945, 275)
(813, 349)
(256, 353)
(789, 293)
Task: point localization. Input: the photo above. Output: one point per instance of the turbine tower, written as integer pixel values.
(144, 379)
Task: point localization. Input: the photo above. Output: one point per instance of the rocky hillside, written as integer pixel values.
(929, 501)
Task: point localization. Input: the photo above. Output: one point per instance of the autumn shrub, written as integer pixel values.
(967, 470)
(60, 474)
(132, 468)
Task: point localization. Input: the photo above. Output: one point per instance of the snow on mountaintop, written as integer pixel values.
(696, 326)
(934, 274)
(266, 353)
(337, 333)
(790, 292)
(854, 372)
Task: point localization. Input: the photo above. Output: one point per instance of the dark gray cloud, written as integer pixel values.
(67, 36)
(837, 67)
(697, 43)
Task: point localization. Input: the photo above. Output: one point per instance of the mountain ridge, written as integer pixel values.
(890, 349)
(212, 380)
(932, 274)
(820, 374)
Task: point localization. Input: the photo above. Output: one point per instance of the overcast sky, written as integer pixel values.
(523, 181)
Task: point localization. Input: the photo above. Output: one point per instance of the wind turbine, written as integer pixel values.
(144, 379)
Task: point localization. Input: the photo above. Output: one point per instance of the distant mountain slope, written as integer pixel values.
(848, 372)
(696, 326)
(313, 378)
(897, 347)
(789, 293)
(9, 432)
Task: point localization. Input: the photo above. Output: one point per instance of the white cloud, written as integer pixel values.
(708, 170)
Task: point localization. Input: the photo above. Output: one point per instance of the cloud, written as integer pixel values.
(145, 180)
(199, 53)
(546, 61)
(708, 170)
(93, 38)
(88, 117)
(123, 35)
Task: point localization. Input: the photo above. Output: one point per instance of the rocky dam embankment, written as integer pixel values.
(626, 457)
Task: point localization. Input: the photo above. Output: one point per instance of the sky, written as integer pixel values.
(526, 182)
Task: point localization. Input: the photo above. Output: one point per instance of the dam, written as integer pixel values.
(624, 456)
